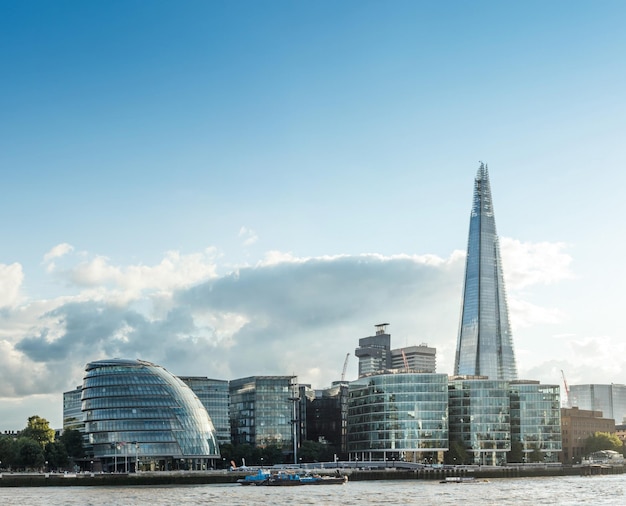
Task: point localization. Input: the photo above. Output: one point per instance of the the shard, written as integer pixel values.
(485, 344)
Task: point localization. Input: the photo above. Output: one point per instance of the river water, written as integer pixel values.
(567, 490)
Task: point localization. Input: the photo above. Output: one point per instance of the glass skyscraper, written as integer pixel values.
(485, 344)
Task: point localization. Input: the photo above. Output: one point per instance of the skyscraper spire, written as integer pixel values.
(485, 344)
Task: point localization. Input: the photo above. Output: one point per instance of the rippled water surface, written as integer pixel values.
(569, 490)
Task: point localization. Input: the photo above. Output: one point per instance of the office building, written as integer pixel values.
(485, 344)
(398, 416)
(326, 415)
(536, 420)
(610, 399)
(375, 355)
(480, 418)
(72, 413)
(576, 426)
(139, 416)
(420, 358)
(374, 352)
(263, 410)
(213, 395)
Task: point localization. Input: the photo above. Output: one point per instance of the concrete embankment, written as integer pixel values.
(221, 477)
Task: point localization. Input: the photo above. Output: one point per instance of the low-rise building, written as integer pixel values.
(576, 426)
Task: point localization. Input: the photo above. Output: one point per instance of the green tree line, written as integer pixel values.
(35, 448)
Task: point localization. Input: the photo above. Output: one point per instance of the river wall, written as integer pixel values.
(217, 477)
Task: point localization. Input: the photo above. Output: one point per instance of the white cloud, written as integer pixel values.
(249, 236)
(173, 272)
(11, 278)
(525, 314)
(526, 263)
(58, 251)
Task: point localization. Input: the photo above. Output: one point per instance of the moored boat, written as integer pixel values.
(293, 479)
(255, 479)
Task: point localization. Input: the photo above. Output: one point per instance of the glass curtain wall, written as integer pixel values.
(398, 416)
(138, 416)
(480, 419)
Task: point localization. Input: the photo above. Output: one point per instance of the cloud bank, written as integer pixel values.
(283, 315)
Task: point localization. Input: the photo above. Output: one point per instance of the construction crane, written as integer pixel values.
(405, 360)
(345, 366)
(568, 402)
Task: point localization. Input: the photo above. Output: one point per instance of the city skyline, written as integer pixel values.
(246, 188)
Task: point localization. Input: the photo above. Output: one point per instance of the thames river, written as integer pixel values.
(567, 490)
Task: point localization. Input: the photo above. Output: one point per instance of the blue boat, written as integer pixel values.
(255, 479)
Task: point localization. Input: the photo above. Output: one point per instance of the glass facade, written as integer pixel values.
(326, 415)
(610, 399)
(398, 415)
(536, 419)
(480, 418)
(485, 344)
(137, 413)
(262, 409)
(374, 352)
(213, 395)
(72, 413)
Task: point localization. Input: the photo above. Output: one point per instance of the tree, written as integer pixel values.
(8, 452)
(535, 455)
(456, 455)
(56, 455)
(272, 454)
(602, 441)
(38, 429)
(517, 452)
(29, 454)
(314, 451)
(73, 441)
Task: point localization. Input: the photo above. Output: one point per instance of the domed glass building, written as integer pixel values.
(139, 416)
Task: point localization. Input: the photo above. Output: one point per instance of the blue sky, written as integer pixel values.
(246, 187)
